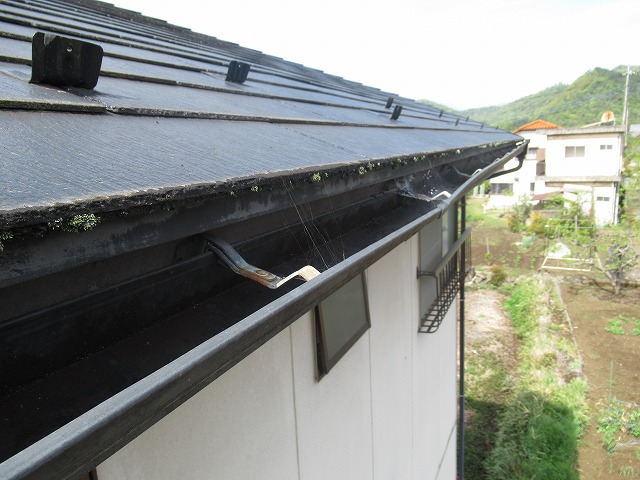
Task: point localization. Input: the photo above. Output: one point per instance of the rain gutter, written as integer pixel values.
(91, 438)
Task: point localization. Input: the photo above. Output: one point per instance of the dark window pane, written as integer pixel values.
(343, 318)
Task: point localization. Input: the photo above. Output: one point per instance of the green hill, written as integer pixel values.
(581, 103)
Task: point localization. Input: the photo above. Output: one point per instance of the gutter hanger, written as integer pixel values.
(239, 265)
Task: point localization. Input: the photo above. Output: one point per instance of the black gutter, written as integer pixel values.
(90, 439)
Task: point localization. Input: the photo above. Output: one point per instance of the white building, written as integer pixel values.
(511, 187)
(584, 160)
(587, 160)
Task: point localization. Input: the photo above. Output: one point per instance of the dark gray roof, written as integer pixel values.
(162, 117)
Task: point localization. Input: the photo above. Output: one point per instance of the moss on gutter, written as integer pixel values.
(78, 223)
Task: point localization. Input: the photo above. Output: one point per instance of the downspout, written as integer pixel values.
(461, 394)
(461, 390)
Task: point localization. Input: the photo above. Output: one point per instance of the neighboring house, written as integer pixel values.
(509, 188)
(582, 163)
(587, 160)
(137, 339)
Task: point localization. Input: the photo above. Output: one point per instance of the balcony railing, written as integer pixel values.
(454, 266)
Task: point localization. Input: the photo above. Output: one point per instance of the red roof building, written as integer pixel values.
(538, 124)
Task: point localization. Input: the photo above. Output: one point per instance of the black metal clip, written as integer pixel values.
(389, 102)
(238, 72)
(65, 62)
(396, 112)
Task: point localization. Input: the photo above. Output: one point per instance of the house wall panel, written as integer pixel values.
(596, 162)
(392, 329)
(240, 426)
(385, 410)
(334, 414)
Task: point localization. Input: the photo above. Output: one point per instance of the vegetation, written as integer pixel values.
(78, 223)
(488, 385)
(621, 324)
(539, 429)
(631, 185)
(619, 424)
(620, 242)
(615, 326)
(4, 236)
(519, 214)
(581, 103)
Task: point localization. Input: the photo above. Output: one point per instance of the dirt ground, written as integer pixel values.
(611, 365)
(611, 362)
(488, 328)
(491, 361)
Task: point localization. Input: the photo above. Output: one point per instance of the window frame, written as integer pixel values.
(532, 153)
(324, 362)
(501, 189)
(574, 151)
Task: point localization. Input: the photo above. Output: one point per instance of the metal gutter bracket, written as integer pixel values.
(238, 72)
(239, 265)
(65, 62)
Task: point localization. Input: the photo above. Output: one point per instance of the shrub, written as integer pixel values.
(498, 275)
(538, 224)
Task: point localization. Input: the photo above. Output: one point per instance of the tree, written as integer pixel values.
(621, 241)
(519, 214)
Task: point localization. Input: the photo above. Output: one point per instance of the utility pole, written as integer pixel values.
(625, 112)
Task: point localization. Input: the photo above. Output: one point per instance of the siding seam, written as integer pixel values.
(373, 461)
(295, 405)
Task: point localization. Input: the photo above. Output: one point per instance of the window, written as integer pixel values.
(501, 188)
(341, 320)
(532, 187)
(532, 152)
(606, 147)
(445, 277)
(602, 199)
(573, 151)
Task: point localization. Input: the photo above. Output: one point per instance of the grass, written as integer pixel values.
(539, 429)
(486, 390)
(491, 219)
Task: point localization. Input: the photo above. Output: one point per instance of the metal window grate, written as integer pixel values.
(454, 266)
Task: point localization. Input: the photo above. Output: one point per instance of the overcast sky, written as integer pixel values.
(462, 53)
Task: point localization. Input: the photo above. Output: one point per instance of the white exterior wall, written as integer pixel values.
(604, 201)
(387, 409)
(595, 162)
(522, 179)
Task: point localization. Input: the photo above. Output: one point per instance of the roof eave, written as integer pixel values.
(94, 436)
